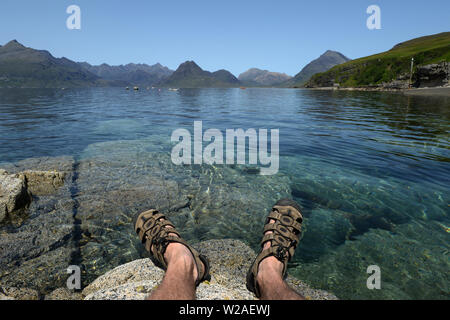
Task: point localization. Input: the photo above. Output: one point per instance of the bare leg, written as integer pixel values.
(179, 280)
(270, 282)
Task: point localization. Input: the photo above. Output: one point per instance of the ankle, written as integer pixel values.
(179, 257)
(270, 270)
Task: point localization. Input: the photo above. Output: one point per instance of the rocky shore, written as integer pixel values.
(425, 78)
(137, 279)
(424, 92)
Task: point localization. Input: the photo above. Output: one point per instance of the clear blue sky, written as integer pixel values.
(279, 35)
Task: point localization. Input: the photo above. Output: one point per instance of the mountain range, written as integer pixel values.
(130, 74)
(21, 66)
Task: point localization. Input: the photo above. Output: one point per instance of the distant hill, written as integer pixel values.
(258, 77)
(387, 66)
(190, 75)
(26, 67)
(325, 62)
(130, 74)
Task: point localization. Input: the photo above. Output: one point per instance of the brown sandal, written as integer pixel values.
(151, 227)
(284, 238)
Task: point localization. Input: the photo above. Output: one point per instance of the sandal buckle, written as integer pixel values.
(281, 253)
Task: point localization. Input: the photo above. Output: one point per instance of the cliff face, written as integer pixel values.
(432, 75)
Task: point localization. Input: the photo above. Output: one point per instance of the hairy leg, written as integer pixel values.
(270, 282)
(181, 273)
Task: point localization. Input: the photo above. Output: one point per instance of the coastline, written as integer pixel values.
(432, 91)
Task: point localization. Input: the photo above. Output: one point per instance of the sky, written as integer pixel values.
(281, 36)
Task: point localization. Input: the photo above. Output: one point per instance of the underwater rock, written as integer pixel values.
(13, 293)
(404, 258)
(63, 294)
(229, 265)
(43, 182)
(37, 246)
(117, 180)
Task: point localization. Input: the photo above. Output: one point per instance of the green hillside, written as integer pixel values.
(386, 66)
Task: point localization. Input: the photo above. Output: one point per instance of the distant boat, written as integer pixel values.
(136, 88)
(243, 88)
(127, 88)
(173, 89)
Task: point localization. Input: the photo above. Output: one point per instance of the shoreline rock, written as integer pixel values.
(14, 194)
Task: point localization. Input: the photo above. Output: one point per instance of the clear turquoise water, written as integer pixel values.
(371, 171)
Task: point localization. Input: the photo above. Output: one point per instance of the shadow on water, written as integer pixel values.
(75, 258)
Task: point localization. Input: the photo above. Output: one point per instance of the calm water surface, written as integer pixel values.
(371, 170)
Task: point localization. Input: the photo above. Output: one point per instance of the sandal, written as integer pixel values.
(152, 229)
(284, 238)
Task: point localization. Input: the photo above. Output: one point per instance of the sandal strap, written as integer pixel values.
(276, 251)
(156, 235)
(284, 238)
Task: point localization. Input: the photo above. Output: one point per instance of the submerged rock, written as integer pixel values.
(43, 182)
(63, 294)
(13, 293)
(37, 245)
(230, 261)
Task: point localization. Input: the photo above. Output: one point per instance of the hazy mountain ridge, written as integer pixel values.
(132, 74)
(258, 77)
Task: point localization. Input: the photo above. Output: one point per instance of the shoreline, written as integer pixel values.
(433, 91)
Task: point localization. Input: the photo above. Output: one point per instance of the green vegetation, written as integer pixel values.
(386, 66)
